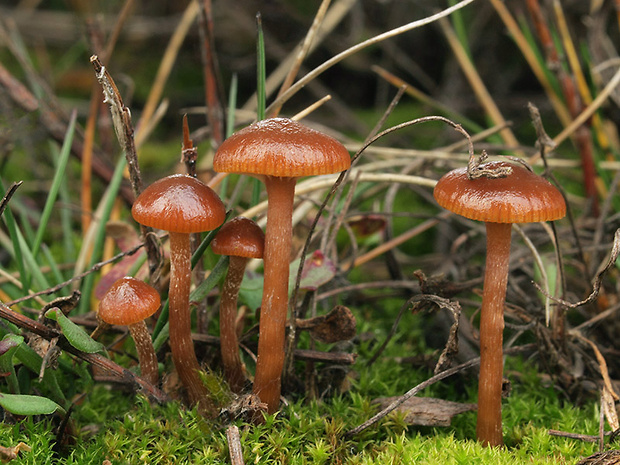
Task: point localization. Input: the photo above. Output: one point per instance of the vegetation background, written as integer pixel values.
(480, 67)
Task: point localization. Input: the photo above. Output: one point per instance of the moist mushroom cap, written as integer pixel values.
(239, 237)
(281, 147)
(520, 197)
(128, 301)
(179, 203)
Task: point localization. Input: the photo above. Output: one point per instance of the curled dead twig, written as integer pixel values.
(598, 278)
(417, 303)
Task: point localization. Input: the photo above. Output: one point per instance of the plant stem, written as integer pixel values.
(489, 426)
(278, 237)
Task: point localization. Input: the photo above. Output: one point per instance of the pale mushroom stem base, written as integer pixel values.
(229, 343)
(489, 425)
(274, 307)
(146, 354)
(181, 344)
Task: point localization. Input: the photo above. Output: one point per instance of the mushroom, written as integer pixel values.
(519, 197)
(128, 302)
(240, 239)
(277, 151)
(181, 205)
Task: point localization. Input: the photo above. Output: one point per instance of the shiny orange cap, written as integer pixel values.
(520, 197)
(128, 301)
(179, 203)
(281, 147)
(239, 237)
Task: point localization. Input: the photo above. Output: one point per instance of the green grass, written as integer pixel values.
(127, 430)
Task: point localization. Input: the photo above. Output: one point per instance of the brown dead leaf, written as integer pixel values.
(427, 411)
(609, 409)
(337, 325)
(9, 453)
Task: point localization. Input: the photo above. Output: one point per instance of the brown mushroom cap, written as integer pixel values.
(281, 147)
(520, 197)
(128, 301)
(179, 203)
(239, 237)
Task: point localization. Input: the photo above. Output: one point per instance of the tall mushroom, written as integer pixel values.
(181, 205)
(240, 239)
(277, 151)
(519, 197)
(129, 302)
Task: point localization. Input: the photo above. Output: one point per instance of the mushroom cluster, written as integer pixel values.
(519, 197)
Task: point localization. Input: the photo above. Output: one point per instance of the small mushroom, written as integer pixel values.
(277, 151)
(241, 239)
(129, 302)
(519, 197)
(182, 205)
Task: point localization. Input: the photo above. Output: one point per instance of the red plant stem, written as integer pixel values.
(229, 343)
(146, 353)
(181, 345)
(573, 101)
(214, 106)
(278, 238)
(489, 426)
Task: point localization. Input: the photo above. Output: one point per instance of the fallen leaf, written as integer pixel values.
(9, 453)
(366, 225)
(427, 411)
(337, 325)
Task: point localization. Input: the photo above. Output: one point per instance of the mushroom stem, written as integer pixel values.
(181, 345)
(229, 344)
(274, 306)
(146, 353)
(489, 426)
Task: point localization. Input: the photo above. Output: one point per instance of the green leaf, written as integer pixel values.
(76, 336)
(318, 270)
(251, 292)
(10, 341)
(8, 347)
(20, 404)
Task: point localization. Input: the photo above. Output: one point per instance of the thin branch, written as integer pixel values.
(58, 287)
(7, 196)
(356, 48)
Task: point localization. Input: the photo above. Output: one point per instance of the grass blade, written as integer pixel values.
(108, 203)
(260, 69)
(56, 183)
